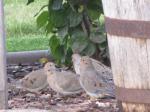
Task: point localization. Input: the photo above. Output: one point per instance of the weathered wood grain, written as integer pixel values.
(3, 81)
(130, 57)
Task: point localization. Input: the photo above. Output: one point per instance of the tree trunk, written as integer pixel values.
(127, 25)
(3, 76)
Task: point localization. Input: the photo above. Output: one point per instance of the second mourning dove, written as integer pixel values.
(94, 84)
(63, 82)
(99, 67)
(35, 81)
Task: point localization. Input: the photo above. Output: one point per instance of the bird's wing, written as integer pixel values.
(102, 69)
(68, 81)
(91, 81)
(35, 79)
(36, 89)
(99, 66)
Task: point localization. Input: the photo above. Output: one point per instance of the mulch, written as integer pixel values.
(48, 99)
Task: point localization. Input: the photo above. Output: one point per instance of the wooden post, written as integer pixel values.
(128, 30)
(3, 76)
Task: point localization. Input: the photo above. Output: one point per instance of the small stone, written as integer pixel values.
(58, 99)
(14, 71)
(18, 99)
(44, 96)
(19, 75)
(52, 102)
(29, 68)
(101, 104)
(10, 102)
(30, 95)
(16, 67)
(36, 104)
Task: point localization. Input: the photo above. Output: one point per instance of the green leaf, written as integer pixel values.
(65, 42)
(90, 49)
(68, 59)
(94, 14)
(97, 37)
(59, 53)
(58, 18)
(101, 19)
(74, 18)
(63, 31)
(40, 10)
(57, 4)
(49, 27)
(42, 19)
(95, 5)
(74, 2)
(102, 46)
(79, 45)
(53, 43)
(77, 33)
(30, 1)
(94, 9)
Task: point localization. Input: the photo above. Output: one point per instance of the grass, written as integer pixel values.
(21, 30)
(27, 43)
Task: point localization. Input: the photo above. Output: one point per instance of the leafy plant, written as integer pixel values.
(30, 1)
(76, 26)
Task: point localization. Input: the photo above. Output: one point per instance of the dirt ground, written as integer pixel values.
(48, 99)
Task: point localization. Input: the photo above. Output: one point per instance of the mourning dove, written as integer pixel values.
(35, 81)
(63, 82)
(92, 82)
(99, 67)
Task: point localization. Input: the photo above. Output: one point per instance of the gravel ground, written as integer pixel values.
(48, 99)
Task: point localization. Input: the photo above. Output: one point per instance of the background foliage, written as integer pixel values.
(22, 33)
(77, 26)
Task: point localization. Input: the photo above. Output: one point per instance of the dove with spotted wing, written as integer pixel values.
(35, 81)
(95, 85)
(99, 67)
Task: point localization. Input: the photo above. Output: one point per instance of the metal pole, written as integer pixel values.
(27, 56)
(3, 75)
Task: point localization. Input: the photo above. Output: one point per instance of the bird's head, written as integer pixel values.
(49, 67)
(85, 62)
(50, 73)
